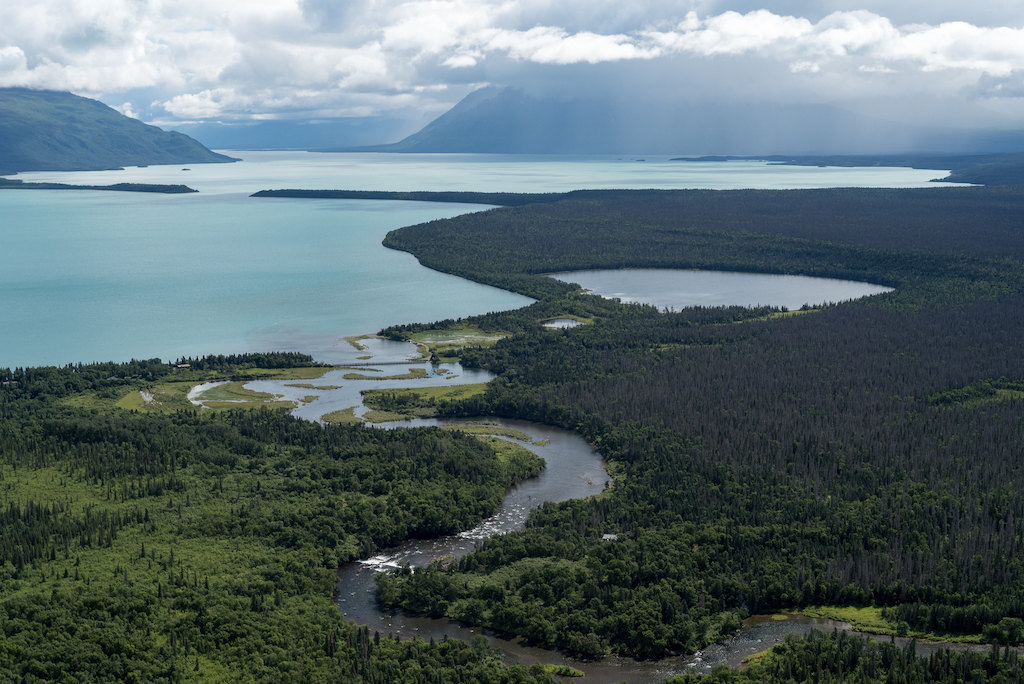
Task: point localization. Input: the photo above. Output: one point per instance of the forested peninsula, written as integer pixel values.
(864, 454)
(502, 199)
(169, 189)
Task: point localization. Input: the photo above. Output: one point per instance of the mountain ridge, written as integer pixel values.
(511, 121)
(47, 130)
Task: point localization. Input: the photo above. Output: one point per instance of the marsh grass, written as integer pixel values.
(413, 374)
(415, 402)
(345, 416)
(375, 416)
(497, 430)
(869, 619)
(447, 343)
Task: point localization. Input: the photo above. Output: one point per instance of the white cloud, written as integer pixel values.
(549, 45)
(205, 104)
(957, 45)
(734, 33)
(12, 62)
(804, 67)
(462, 60)
(845, 36)
(128, 110)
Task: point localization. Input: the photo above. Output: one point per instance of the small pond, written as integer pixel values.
(561, 323)
(670, 288)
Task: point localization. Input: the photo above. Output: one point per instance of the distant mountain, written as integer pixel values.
(43, 130)
(507, 120)
(296, 135)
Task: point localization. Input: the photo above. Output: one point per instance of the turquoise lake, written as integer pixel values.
(96, 276)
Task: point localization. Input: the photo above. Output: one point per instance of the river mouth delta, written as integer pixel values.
(366, 363)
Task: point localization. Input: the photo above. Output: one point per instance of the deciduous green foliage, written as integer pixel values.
(147, 547)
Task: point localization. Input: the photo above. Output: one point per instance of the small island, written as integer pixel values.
(169, 189)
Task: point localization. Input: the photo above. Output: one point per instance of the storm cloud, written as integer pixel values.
(299, 59)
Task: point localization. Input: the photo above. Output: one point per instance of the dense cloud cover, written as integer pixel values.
(263, 59)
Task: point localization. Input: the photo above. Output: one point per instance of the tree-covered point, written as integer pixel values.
(503, 199)
(203, 546)
(166, 188)
(886, 236)
(865, 453)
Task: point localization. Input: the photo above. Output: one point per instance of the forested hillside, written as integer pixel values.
(45, 130)
(140, 546)
(866, 453)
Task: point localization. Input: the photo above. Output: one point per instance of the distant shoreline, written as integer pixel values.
(977, 169)
(503, 199)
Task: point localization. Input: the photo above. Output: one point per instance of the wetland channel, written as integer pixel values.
(573, 470)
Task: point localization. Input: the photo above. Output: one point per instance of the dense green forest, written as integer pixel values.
(203, 545)
(865, 453)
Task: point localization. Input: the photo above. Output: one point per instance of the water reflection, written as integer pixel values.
(561, 323)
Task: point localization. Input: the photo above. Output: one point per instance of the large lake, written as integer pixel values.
(92, 276)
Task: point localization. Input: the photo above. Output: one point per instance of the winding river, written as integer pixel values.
(574, 470)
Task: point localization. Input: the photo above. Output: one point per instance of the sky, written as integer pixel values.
(168, 61)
